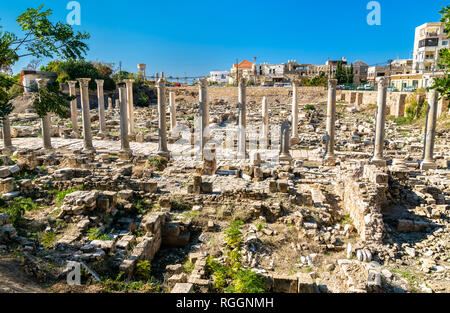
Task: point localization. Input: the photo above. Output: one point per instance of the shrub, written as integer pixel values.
(310, 107)
(16, 210)
(97, 234)
(62, 194)
(143, 269)
(158, 163)
(48, 239)
(230, 276)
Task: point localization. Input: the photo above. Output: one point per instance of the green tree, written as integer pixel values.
(349, 74)
(40, 38)
(442, 84)
(73, 69)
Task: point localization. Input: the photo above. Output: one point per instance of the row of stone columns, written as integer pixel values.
(125, 101)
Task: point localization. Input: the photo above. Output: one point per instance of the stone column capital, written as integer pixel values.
(99, 82)
(202, 82)
(242, 81)
(332, 82)
(161, 82)
(72, 83)
(84, 82)
(381, 82)
(129, 82)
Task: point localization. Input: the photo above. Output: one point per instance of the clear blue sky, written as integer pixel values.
(198, 36)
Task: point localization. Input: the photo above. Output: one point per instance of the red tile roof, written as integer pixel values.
(244, 64)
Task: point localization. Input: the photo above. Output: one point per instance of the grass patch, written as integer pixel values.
(158, 163)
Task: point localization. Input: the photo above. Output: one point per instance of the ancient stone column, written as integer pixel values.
(73, 106)
(118, 102)
(399, 110)
(284, 143)
(110, 105)
(101, 106)
(380, 121)
(173, 112)
(86, 115)
(242, 147)
(45, 121)
(6, 130)
(428, 161)
(294, 120)
(330, 158)
(124, 142)
(264, 140)
(202, 90)
(129, 83)
(162, 146)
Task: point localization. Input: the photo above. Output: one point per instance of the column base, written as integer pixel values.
(125, 154)
(378, 162)
(428, 165)
(285, 157)
(242, 155)
(88, 150)
(8, 150)
(164, 154)
(329, 160)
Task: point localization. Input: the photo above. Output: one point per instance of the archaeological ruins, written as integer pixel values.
(333, 194)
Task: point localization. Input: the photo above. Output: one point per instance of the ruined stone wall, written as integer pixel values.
(306, 95)
(362, 198)
(370, 97)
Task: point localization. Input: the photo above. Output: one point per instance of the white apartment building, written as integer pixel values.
(429, 39)
(220, 77)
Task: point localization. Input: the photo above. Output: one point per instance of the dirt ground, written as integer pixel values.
(13, 279)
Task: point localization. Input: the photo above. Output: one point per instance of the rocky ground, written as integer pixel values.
(349, 227)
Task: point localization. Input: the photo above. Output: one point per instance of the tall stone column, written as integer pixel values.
(294, 119)
(380, 121)
(45, 121)
(162, 146)
(203, 113)
(124, 142)
(129, 83)
(264, 139)
(118, 103)
(285, 155)
(73, 106)
(86, 115)
(207, 103)
(101, 106)
(428, 161)
(173, 112)
(242, 145)
(330, 158)
(6, 130)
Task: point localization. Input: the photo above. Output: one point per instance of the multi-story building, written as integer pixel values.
(396, 67)
(429, 39)
(243, 69)
(360, 72)
(219, 77)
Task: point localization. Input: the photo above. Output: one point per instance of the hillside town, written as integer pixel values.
(267, 178)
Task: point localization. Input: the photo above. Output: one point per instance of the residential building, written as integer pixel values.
(28, 78)
(243, 69)
(360, 72)
(429, 39)
(219, 77)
